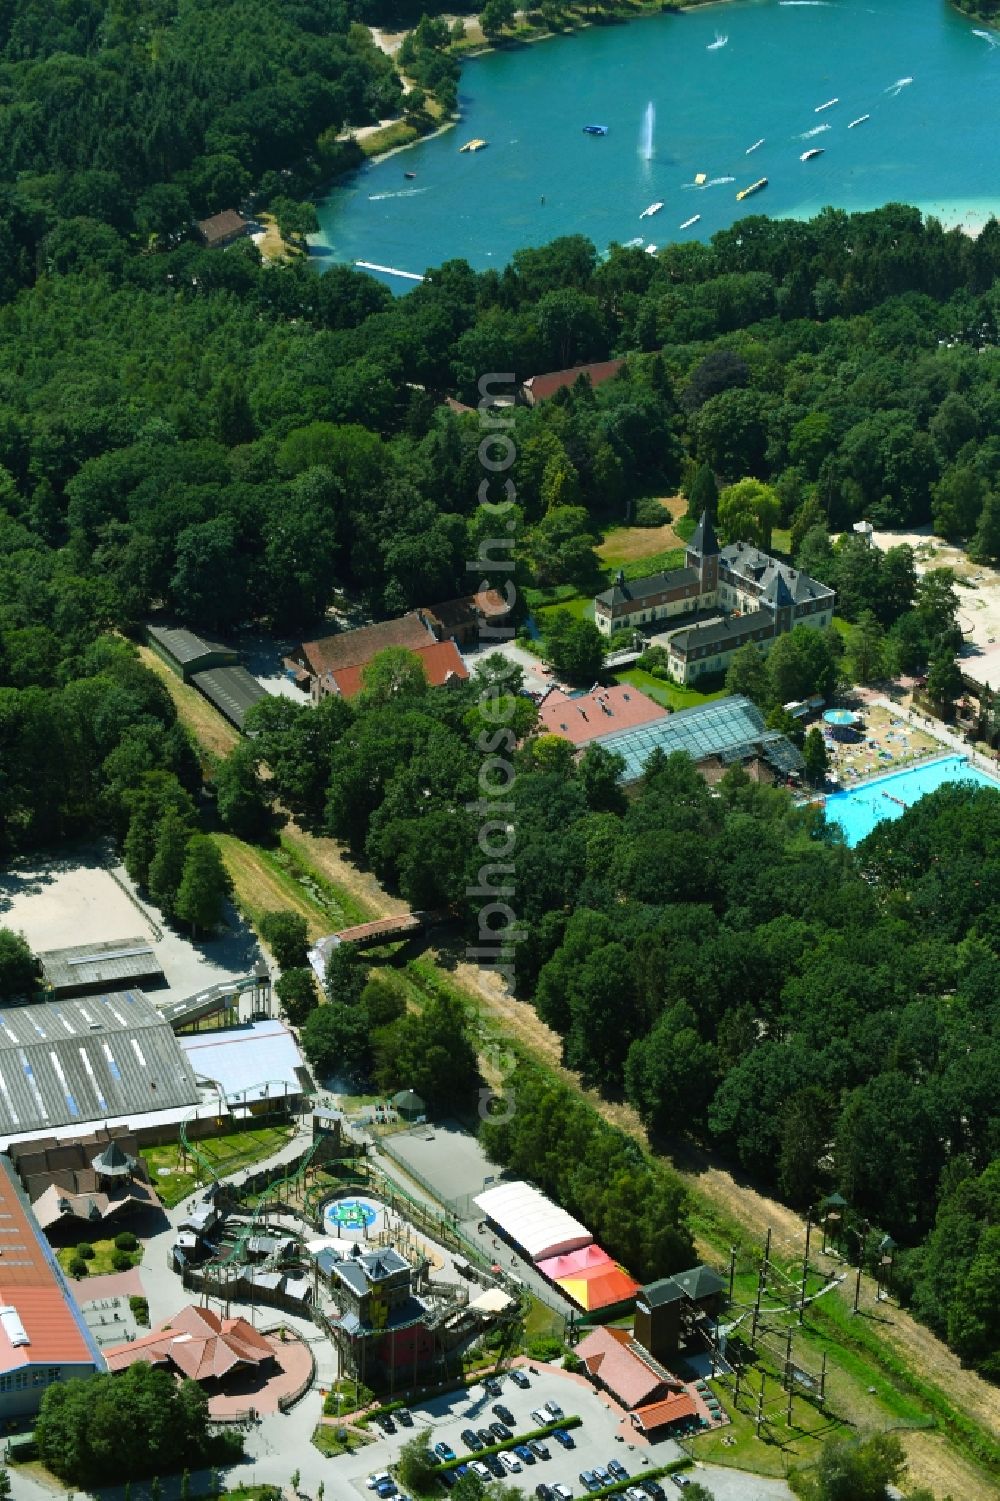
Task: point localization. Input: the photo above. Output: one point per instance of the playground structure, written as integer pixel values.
(333, 1190)
(758, 1355)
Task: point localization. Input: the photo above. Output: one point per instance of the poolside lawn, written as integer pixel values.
(670, 695)
(888, 744)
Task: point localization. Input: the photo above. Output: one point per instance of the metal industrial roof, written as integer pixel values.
(532, 1221)
(255, 1062)
(232, 690)
(89, 965)
(183, 645)
(75, 1061)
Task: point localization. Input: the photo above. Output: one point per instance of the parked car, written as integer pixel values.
(492, 1463)
(634, 1493)
(544, 1492)
(653, 1488)
(486, 1438)
(379, 1478)
(445, 1451)
(681, 1480)
(540, 1450)
(448, 1478)
(405, 1417)
(385, 1422)
(523, 1452)
(540, 1418)
(589, 1480)
(562, 1437)
(617, 1469)
(562, 1492)
(385, 1490)
(510, 1462)
(504, 1414)
(479, 1469)
(491, 1386)
(471, 1439)
(602, 1474)
(554, 1410)
(520, 1379)
(501, 1432)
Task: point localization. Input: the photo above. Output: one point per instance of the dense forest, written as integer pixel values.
(121, 122)
(193, 432)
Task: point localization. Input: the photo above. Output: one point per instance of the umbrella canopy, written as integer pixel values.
(407, 1102)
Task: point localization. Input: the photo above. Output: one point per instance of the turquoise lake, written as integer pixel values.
(932, 141)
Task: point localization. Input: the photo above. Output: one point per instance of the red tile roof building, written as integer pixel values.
(596, 713)
(541, 387)
(198, 1344)
(43, 1337)
(441, 661)
(611, 1358)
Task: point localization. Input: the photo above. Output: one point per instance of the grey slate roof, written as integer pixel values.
(730, 631)
(113, 1162)
(699, 1282)
(703, 538)
(636, 590)
(69, 1062)
(658, 1294)
(743, 558)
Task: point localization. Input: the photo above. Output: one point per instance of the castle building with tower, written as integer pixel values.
(737, 593)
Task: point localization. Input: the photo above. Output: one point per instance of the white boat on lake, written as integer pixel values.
(688, 222)
(654, 208)
(754, 146)
(859, 121)
(828, 105)
(720, 41)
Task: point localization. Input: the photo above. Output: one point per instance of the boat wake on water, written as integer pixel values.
(901, 83)
(403, 193)
(714, 182)
(987, 36)
(804, 2)
(817, 130)
(720, 41)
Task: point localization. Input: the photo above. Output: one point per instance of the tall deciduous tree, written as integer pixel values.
(204, 885)
(18, 970)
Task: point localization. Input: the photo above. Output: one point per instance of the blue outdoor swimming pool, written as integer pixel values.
(859, 810)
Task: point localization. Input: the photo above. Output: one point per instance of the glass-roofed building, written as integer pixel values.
(731, 729)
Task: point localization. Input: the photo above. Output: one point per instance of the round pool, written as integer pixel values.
(353, 1216)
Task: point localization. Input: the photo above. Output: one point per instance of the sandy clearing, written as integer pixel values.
(979, 595)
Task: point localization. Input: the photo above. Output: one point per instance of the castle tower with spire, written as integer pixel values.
(703, 553)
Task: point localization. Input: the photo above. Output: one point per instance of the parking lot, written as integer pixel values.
(443, 1418)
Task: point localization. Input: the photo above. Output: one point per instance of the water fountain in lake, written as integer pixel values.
(646, 134)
